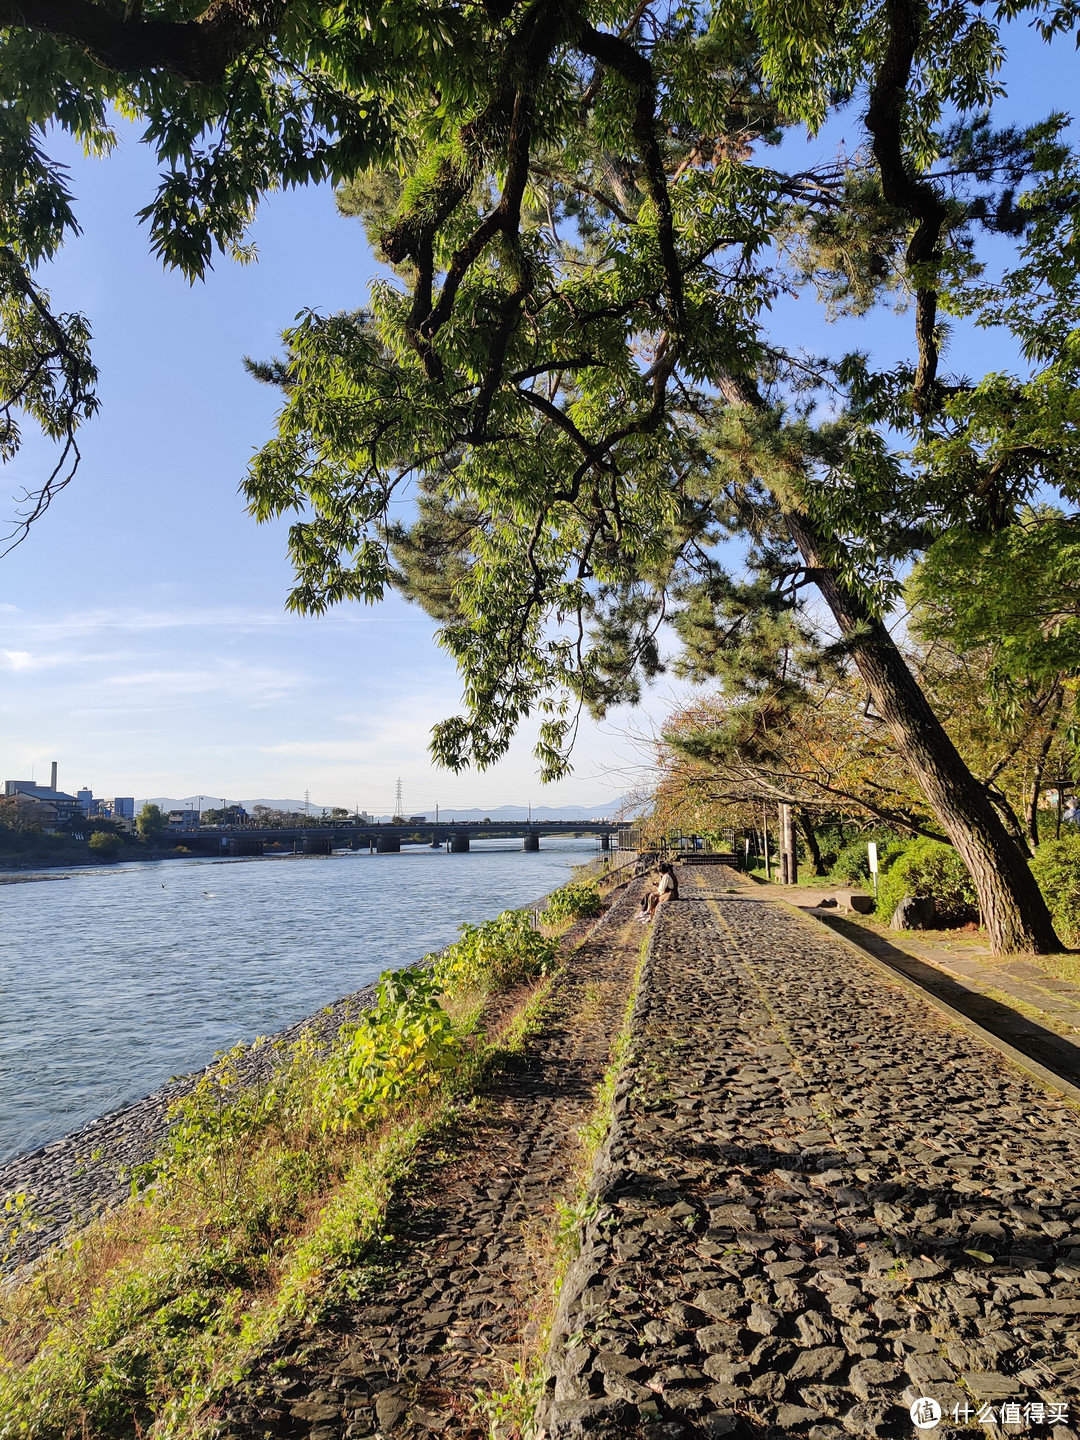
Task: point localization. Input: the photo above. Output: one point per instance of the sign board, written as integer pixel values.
(871, 855)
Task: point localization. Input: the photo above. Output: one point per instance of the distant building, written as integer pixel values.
(183, 820)
(43, 805)
(123, 807)
(417, 820)
(86, 801)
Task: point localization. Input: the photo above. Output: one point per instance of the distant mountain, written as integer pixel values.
(602, 810)
(213, 802)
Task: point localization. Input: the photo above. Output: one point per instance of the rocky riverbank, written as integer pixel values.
(76, 1177)
(88, 1170)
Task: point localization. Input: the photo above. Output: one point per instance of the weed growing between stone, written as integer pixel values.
(510, 1412)
(261, 1199)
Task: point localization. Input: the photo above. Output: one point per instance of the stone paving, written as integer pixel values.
(1034, 1019)
(1028, 990)
(445, 1310)
(819, 1203)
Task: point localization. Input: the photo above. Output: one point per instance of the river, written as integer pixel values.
(113, 980)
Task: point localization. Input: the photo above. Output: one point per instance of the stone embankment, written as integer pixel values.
(76, 1177)
(819, 1203)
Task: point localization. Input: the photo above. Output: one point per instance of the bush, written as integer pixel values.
(928, 869)
(580, 900)
(851, 865)
(1056, 866)
(498, 952)
(105, 844)
(395, 1051)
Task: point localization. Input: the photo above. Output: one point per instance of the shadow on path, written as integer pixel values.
(1032, 1039)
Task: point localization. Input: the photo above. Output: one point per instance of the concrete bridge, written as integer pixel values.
(454, 836)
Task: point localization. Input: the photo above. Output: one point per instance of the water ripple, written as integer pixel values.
(113, 980)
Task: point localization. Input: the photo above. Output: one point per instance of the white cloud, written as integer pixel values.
(228, 680)
(22, 660)
(138, 621)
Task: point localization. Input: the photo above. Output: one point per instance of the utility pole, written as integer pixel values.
(789, 855)
(765, 836)
(398, 810)
(307, 802)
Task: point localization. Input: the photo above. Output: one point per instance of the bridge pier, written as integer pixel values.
(605, 842)
(437, 841)
(459, 842)
(531, 842)
(240, 846)
(318, 845)
(388, 845)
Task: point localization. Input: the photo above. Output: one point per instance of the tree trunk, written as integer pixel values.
(1032, 807)
(1009, 818)
(765, 833)
(1012, 907)
(811, 844)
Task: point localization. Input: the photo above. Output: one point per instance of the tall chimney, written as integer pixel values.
(52, 782)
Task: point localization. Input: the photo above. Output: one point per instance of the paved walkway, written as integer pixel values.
(1035, 994)
(820, 1203)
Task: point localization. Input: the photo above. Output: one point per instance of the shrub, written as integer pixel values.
(397, 1049)
(105, 844)
(851, 865)
(580, 900)
(1056, 866)
(497, 952)
(928, 868)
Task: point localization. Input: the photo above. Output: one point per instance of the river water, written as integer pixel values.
(113, 980)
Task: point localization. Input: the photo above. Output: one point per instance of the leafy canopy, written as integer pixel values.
(568, 365)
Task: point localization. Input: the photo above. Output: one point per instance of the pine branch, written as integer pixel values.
(199, 50)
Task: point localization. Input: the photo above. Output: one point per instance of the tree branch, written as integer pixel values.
(199, 50)
(917, 198)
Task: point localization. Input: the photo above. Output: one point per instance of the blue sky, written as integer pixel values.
(143, 638)
(144, 642)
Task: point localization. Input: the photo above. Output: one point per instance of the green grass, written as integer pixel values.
(263, 1202)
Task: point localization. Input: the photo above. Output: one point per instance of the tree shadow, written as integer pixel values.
(1030, 1038)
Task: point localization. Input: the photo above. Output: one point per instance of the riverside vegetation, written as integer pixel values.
(263, 1198)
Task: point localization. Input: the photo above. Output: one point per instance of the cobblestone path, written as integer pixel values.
(451, 1310)
(819, 1203)
(987, 994)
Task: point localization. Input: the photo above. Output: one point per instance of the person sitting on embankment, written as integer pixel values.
(667, 888)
